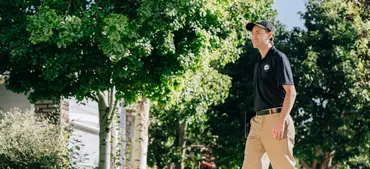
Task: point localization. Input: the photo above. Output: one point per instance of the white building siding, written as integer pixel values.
(9, 100)
(85, 121)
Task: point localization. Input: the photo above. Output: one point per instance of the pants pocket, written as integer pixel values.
(290, 129)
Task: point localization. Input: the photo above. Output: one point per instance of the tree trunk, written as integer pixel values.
(181, 141)
(114, 139)
(325, 161)
(104, 136)
(122, 138)
(130, 129)
(141, 134)
(107, 105)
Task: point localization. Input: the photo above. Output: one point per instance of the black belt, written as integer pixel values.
(268, 111)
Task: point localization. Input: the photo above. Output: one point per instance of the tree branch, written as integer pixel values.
(112, 99)
(93, 96)
(305, 164)
(334, 166)
(101, 96)
(317, 154)
(69, 6)
(109, 97)
(314, 163)
(327, 157)
(116, 103)
(111, 114)
(112, 105)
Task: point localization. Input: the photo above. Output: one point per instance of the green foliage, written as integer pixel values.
(331, 69)
(141, 48)
(330, 63)
(196, 91)
(77, 48)
(190, 102)
(30, 142)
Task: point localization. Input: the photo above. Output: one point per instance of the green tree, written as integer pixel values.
(330, 63)
(179, 128)
(107, 50)
(227, 120)
(331, 67)
(166, 137)
(364, 6)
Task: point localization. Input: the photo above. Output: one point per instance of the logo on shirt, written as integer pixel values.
(266, 67)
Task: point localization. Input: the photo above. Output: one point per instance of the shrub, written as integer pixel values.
(30, 142)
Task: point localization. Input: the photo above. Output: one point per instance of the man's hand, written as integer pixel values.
(278, 129)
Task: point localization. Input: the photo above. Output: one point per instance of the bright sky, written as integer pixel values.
(288, 12)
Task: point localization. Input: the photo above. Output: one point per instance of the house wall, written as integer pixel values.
(90, 148)
(9, 100)
(85, 121)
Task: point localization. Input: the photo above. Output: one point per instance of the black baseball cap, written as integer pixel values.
(263, 24)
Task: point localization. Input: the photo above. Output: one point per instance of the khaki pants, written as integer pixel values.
(260, 141)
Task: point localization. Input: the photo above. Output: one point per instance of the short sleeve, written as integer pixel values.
(284, 71)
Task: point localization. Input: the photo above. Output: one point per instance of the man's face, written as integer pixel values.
(260, 37)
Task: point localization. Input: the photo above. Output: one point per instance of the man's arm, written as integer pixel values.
(278, 130)
(289, 99)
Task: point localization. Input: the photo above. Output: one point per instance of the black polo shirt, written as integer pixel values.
(270, 74)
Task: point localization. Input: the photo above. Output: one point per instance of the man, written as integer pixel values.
(272, 129)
